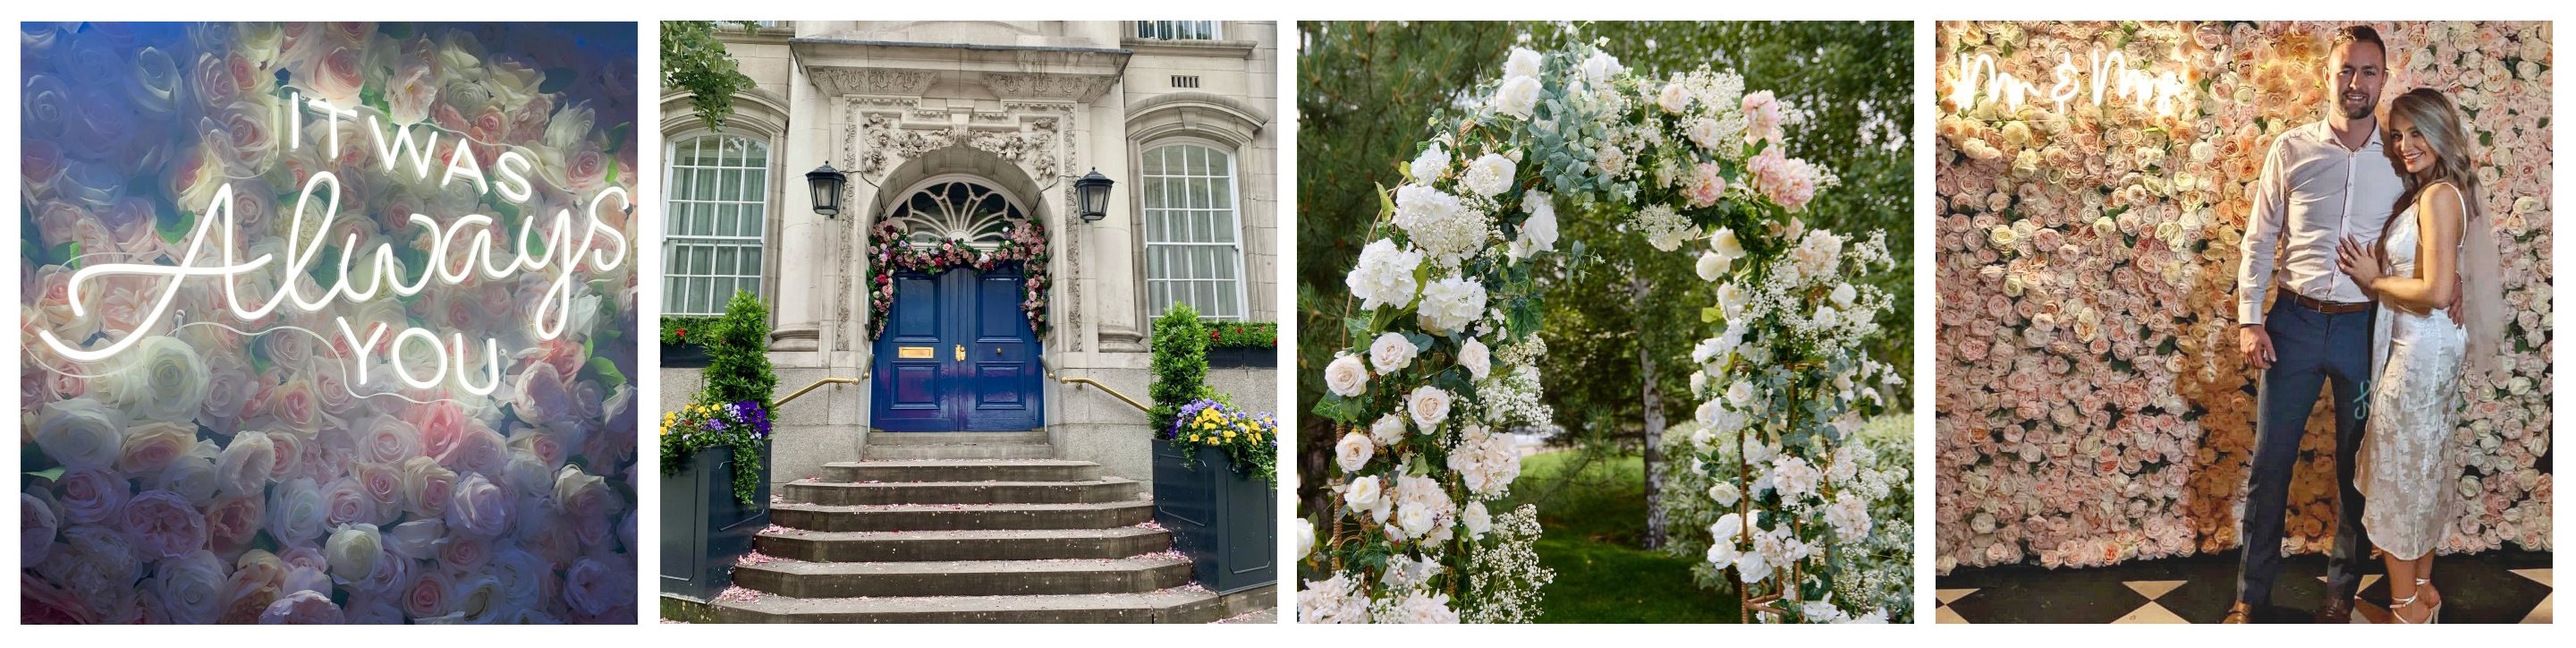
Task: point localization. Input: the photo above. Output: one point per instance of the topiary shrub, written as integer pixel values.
(738, 354)
(1180, 364)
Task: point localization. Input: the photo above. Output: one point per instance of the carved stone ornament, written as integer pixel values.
(873, 81)
(885, 141)
(1072, 87)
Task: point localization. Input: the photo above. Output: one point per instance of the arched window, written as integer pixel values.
(1193, 233)
(956, 208)
(716, 218)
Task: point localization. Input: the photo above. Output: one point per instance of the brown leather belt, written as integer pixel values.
(2322, 306)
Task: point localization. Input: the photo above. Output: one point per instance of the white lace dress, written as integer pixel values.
(2407, 470)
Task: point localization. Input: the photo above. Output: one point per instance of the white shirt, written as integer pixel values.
(2312, 193)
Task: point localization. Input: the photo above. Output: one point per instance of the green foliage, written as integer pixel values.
(688, 329)
(1243, 335)
(694, 61)
(738, 354)
(1593, 506)
(1180, 364)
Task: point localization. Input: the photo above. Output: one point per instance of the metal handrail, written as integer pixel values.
(1079, 380)
(827, 380)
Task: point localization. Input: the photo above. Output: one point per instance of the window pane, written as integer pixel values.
(757, 156)
(754, 221)
(706, 186)
(725, 260)
(725, 218)
(1222, 190)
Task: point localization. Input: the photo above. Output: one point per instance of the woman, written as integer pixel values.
(2439, 241)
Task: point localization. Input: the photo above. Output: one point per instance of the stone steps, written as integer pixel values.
(961, 517)
(1178, 605)
(965, 578)
(960, 470)
(885, 546)
(918, 451)
(1106, 489)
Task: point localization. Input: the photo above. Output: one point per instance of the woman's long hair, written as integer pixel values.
(2444, 131)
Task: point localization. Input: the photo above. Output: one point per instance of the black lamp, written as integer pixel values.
(1093, 192)
(827, 183)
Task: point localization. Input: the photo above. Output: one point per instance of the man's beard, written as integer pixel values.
(2353, 109)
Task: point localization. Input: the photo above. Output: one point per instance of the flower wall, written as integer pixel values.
(2093, 405)
(395, 388)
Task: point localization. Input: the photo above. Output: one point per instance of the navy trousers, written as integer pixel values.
(2315, 350)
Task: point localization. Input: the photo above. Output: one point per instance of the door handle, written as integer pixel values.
(997, 351)
(961, 353)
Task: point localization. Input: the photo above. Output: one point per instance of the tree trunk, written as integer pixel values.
(1654, 408)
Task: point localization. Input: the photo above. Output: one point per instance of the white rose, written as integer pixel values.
(1538, 232)
(1522, 63)
(1346, 376)
(1363, 493)
(1391, 352)
(245, 465)
(1712, 266)
(1384, 275)
(1731, 300)
(1387, 430)
(1674, 99)
(1600, 67)
(1516, 97)
(1354, 451)
(1724, 243)
(1430, 405)
(1752, 567)
(190, 588)
(1827, 317)
(1428, 166)
(1724, 494)
(295, 511)
(80, 434)
(1722, 554)
(1449, 305)
(478, 508)
(1416, 520)
(1478, 359)
(1304, 532)
(160, 379)
(1740, 394)
(1843, 295)
(1479, 521)
(1489, 175)
(353, 551)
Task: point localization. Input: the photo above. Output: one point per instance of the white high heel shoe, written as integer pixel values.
(2433, 617)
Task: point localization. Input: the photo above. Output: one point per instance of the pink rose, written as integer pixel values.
(232, 522)
(93, 496)
(429, 595)
(478, 507)
(301, 608)
(161, 524)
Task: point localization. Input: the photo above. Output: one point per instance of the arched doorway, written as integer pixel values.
(957, 352)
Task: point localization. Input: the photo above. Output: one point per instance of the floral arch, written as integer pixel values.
(1442, 345)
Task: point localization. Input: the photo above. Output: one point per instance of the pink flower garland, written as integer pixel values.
(1027, 244)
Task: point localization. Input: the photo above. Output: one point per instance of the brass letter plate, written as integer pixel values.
(909, 353)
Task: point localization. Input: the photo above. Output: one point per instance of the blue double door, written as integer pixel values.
(958, 355)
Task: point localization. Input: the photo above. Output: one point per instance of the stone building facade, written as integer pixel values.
(952, 129)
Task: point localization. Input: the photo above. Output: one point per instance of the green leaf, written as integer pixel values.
(48, 474)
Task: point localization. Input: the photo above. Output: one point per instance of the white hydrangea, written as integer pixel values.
(1444, 226)
(1488, 176)
(1392, 352)
(1794, 477)
(1428, 166)
(1420, 607)
(1449, 305)
(1332, 600)
(1422, 508)
(1486, 462)
(1664, 228)
(1384, 276)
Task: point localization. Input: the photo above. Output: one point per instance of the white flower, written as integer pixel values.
(1430, 405)
(1843, 295)
(1538, 232)
(1729, 528)
(1722, 554)
(1354, 451)
(160, 379)
(1523, 63)
(1488, 176)
(1304, 531)
(1516, 97)
(1363, 493)
(1664, 228)
(1415, 520)
(1387, 430)
(1724, 494)
(1724, 244)
(1826, 317)
(1333, 600)
(1478, 520)
(1449, 305)
(1384, 275)
(1421, 607)
(1712, 266)
(352, 552)
(1600, 67)
(1795, 477)
(1428, 166)
(1740, 395)
(1391, 352)
(1674, 99)
(80, 434)
(1752, 567)
(1485, 462)
(1731, 300)
(1849, 516)
(1478, 359)
(1346, 376)
(1445, 227)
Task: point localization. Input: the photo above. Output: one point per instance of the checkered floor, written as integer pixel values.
(2493, 587)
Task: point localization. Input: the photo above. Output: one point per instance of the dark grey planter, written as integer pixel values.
(1243, 358)
(1226, 522)
(704, 529)
(683, 356)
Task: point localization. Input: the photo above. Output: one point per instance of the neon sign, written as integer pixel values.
(599, 247)
(2105, 76)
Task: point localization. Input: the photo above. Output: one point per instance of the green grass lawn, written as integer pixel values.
(1595, 515)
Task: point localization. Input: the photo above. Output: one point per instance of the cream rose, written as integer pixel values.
(246, 464)
(354, 551)
(1478, 359)
(1346, 376)
(1516, 97)
(1391, 352)
(1429, 405)
(1354, 451)
(80, 434)
(427, 487)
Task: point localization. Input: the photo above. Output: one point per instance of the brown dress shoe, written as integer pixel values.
(2240, 613)
(2335, 611)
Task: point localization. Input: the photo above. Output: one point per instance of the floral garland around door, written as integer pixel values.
(1444, 348)
(1026, 244)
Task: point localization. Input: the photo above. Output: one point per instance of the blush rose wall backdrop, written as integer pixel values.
(2093, 406)
(404, 397)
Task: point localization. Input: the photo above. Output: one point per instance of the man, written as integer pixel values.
(2320, 183)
